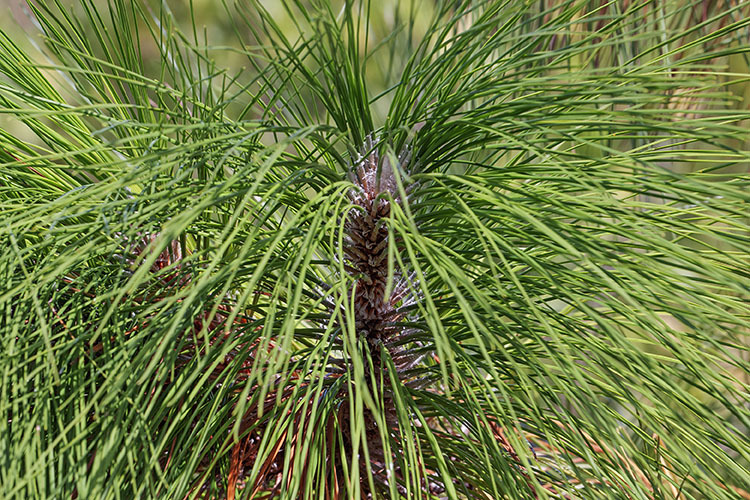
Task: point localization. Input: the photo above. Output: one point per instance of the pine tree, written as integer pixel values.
(491, 249)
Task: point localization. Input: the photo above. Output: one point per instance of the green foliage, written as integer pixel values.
(562, 309)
